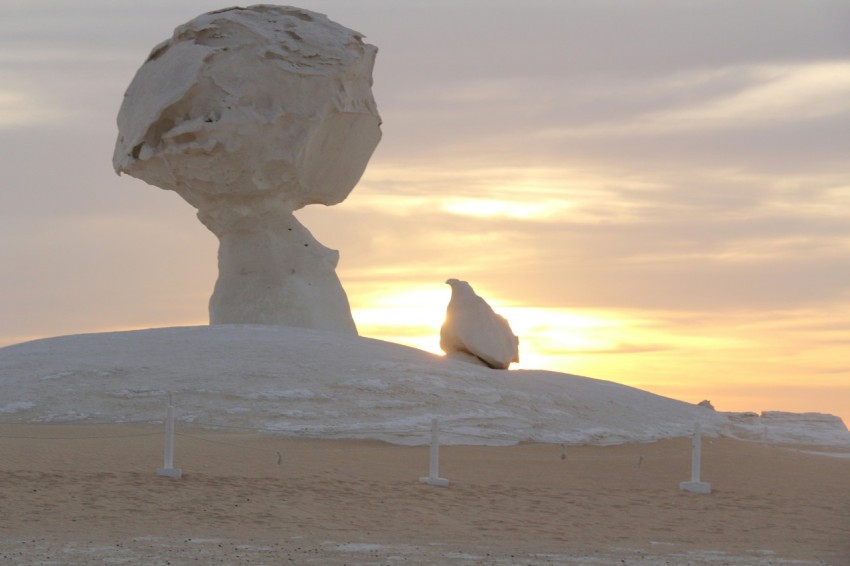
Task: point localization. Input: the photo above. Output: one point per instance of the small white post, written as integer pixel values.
(168, 470)
(695, 485)
(434, 466)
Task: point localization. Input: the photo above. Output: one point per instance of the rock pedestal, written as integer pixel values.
(250, 114)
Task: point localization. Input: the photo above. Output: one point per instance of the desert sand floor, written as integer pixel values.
(88, 494)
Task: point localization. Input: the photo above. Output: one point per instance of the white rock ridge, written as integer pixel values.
(281, 380)
(250, 114)
(472, 331)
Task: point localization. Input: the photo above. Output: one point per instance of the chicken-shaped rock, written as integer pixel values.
(474, 332)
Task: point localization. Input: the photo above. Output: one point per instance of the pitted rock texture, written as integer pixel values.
(250, 114)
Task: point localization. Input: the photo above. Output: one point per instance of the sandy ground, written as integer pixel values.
(75, 494)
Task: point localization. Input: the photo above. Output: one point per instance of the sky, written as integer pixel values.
(655, 193)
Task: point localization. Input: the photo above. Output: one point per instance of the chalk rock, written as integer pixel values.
(250, 114)
(781, 426)
(472, 331)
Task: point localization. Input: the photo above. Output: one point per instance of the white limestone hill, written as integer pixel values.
(319, 384)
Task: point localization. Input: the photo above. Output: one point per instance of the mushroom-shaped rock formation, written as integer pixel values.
(250, 114)
(473, 332)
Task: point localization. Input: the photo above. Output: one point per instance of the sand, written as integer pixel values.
(86, 494)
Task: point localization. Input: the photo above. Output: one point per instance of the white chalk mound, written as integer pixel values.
(250, 114)
(473, 332)
(282, 380)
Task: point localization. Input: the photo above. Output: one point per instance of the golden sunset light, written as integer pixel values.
(438, 282)
(648, 195)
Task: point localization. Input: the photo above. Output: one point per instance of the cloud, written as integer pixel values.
(21, 108)
(738, 244)
(618, 348)
(775, 94)
(771, 120)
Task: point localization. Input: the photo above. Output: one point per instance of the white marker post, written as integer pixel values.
(434, 467)
(168, 470)
(695, 485)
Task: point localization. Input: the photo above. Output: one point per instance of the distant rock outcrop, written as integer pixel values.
(473, 332)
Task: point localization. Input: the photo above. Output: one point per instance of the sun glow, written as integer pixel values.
(412, 317)
(503, 208)
(629, 347)
(547, 335)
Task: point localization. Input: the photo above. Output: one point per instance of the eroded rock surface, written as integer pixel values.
(474, 332)
(250, 114)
